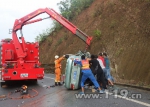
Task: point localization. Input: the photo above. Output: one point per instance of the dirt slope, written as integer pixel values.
(125, 36)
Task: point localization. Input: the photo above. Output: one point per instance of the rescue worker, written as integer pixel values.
(58, 69)
(87, 73)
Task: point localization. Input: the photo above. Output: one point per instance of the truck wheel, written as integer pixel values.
(2, 83)
(34, 81)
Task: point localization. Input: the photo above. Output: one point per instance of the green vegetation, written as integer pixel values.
(57, 26)
(69, 9)
(140, 83)
(97, 34)
(8, 39)
(113, 23)
(50, 40)
(42, 37)
(119, 51)
(59, 41)
(65, 37)
(97, 12)
(124, 1)
(148, 0)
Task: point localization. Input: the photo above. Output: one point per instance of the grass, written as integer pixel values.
(147, 0)
(119, 51)
(140, 83)
(124, 1)
(97, 34)
(65, 37)
(49, 40)
(97, 12)
(113, 23)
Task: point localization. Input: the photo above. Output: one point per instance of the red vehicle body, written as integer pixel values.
(20, 59)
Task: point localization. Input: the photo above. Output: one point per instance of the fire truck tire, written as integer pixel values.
(34, 81)
(68, 74)
(2, 83)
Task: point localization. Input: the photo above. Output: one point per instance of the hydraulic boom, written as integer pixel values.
(19, 23)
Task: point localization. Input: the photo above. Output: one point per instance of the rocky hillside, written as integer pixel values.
(119, 27)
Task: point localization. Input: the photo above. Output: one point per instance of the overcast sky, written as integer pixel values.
(16, 9)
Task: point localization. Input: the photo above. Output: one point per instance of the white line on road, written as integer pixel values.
(136, 101)
(48, 77)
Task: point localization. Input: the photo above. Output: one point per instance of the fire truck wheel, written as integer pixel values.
(34, 81)
(2, 83)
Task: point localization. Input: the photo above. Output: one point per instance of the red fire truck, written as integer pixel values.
(20, 59)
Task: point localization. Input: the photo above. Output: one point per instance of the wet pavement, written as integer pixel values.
(59, 96)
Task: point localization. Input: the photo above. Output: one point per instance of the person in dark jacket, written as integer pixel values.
(97, 70)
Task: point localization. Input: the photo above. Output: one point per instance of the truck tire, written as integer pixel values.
(34, 81)
(2, 83)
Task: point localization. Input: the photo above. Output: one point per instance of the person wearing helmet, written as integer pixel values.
(58, 69)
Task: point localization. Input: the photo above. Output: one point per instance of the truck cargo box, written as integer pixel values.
(72, 73)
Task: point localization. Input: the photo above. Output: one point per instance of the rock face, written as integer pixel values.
(119, 27)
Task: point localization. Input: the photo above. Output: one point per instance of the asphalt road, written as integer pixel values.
(59, 96)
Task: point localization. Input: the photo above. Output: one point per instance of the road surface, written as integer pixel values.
(59, 96)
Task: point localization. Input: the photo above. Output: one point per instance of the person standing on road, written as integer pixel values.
(107, 70)
(98, 71)
(102, 64)
(86, 73)
(102, 59)
(58, 69)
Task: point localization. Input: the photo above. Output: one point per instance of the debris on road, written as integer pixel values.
(50, 86)
(24, 96)
(2, 96)
(47, 87)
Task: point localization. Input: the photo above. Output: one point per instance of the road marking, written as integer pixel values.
(136, 101)
(48, 77)
(44, 85)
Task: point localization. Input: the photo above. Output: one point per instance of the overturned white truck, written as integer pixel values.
(73, 71)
